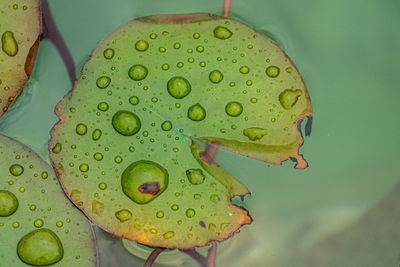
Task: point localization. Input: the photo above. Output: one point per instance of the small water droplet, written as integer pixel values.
(84, 167)
(216, 76)
(196, 112)
(190, 213)
(123, 215)
(195, 176)
(126, 123)
(97, 207)
(138, 72)
(214, 198)
(174, 207)
(108, 53)
(254, 133)
(134, 100)
(169, 235)
(8, 203)
(102, 186)
(81, 129)
(103, 106)
(57, 148)
(16, 169)
(141, 45)
(166, 125)
(288, 98)
(96, 134)
(234, 108)
(9, 44)
(103, 82)
(222, 33)
(178, 87)
(272, 71)
(38, 223)
(244, 69)
(160, 214)
(177, 45)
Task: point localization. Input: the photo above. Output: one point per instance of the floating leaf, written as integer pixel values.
(20, 25)
(38, 224)
(129, 131)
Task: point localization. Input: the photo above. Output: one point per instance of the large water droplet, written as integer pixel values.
(40, 247)
(216, 76)
(126, 123)
(178, 87)
(288, 98)
(8, 203)
(166, 125)
(234, 109)
(254, 133)
(16, 169)
(9, 44)
(222, 33)
(123, 215)
(138, 72)
(196, 112)
(272, 71)
(195, 176)
(144, 180)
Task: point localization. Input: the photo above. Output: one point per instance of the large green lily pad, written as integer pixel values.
(127, 147)
(38, 224)
(20, 26)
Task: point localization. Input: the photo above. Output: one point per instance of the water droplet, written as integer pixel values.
(81, 129)
(32, 207)
(288, 98)
(174, 207)
(190, 213)
(289, 69)
(153, 230)
(165, 66)
(178, 87)
(195, 176)
(234, 109)
(118, 159)
(153, 35)
(9, 44)
(272, 71)
(40, 247)
(160, 214)
(138, 72)
(162, 49)
(169, 235)
(166, 125)
(15, 224)
(59, 224)
(200, 48)
(97, 207)
(134, 100)
(254, 133)
(103, 106)
(84, 167)
(196, 35)
(8, 203)
(179, 64)
(102, 186)
(108, 53)
(38, 223)
(214, 198)
(57, 148)
(222, 33)
(244, 69)
(123, 215)
(75, 195)
(126, 123)
(45, 175)
(216, 76)
(196, 112)
(253, 100)
(103, 81)
(212, 227)
(144, 180)
(16, 169)
(196, 196)
(96, 134)
(177, 45)
(141, 45)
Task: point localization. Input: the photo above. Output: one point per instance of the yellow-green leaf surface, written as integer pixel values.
(38, 224)
(20, 25)
(127, 146)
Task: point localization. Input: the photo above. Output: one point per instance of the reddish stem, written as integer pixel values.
(197, 256)
(51, 32)
(226, 8)
(212, 253)
(153, 256)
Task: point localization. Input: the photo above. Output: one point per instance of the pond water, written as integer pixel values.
(347, 52)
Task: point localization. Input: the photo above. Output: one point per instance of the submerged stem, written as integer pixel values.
(51, 32)
(226, 8)
(196, 255)
(153, 256)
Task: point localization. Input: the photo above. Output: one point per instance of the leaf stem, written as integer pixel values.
(212, 252)
(50, 31)
(226, 8)
(153, 256)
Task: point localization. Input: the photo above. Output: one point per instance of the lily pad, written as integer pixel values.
(128, 147)
(38, 224)
(20, 26)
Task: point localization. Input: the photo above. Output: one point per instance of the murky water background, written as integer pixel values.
(348, 54)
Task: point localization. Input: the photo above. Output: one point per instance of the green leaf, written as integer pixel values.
(38, 224)
(20, 25)
(127, 147)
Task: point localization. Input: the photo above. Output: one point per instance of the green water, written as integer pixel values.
(347, 52)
